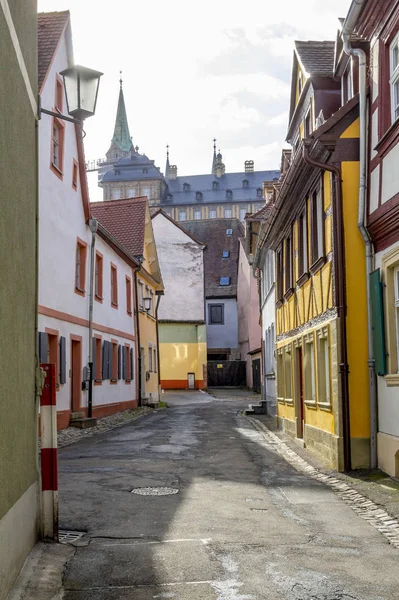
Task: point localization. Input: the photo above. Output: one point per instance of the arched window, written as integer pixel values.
(245, 183)
(198, 196)
(186, 187)
(259, 193)
(215, 185)
(229, 194)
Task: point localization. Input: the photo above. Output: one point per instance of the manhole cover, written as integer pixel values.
(155, 491)
(67, 537)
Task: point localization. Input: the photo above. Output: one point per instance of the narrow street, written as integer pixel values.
(242, 525)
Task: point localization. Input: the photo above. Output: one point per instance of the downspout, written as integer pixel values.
(93, 224)
(136, 312)
(340, 287)
(361, 55)
(158, 358)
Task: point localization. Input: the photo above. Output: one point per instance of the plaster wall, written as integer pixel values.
(226, 335)
(390, 182)
(182, 267)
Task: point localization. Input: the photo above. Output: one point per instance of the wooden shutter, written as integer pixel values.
(131, 364)
(43, 347)
(62, 361)
(124, 370)
(119, 361)
(377, 315)
(94, 358)
(104, 357)
(110, 360)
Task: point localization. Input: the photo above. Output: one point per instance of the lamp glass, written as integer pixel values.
(81, 89)
(147, 303)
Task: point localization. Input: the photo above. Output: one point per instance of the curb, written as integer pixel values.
(361, 505)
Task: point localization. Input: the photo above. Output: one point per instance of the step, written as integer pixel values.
(153, 404)
(76, 415)
(83, 423)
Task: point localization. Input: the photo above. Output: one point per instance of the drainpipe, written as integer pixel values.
(93, 224)
(158, 352)
(340, 290)
(136, 311)
(361, 55)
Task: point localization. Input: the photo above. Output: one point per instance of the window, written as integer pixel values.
(114, 286)
(198, 196)
(197, 214)
(215, 185)
(131, 192)
(98, 281)
(57, 145)
(53, 354)
(114, 363)
(280, 375)
(186, 187)
(59, 94)
(74, 174)
(229, 232)
(288, 263)
(287, 373)
(80, 266)
(394, 78)
(308, 124)
(245, 183)
(127, 363)
(268, 273)
(116, 194)
(155, 360)
(145, 170)
(216, 314)
(146, 192)
(150, 358)
(229, 194)
(295, 145)
(128, 295)
(97, 356)
(140, 290)
(224, 281)
(259, 193)
(228, 213)
(279, 274)
(226, 254)
(309, 368)
(347, 83)
(212, 213)
(182, 215)
(396, 308)
(243, 212)
(152, 309)
(300, 86)
(302, 244)
(317, 224)
(323, 366)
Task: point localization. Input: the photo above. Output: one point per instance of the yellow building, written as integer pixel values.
(321, 309)
(129, 221)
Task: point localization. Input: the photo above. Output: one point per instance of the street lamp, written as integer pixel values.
(81, 89)
(147, 303)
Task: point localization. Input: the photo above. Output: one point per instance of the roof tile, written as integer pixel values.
(50, 27)
(317, 58)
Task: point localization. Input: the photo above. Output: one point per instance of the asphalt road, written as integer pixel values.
(243, 524)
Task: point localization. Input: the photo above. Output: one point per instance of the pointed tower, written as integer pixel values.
(214, 157)
(167, 167)
(122, 143)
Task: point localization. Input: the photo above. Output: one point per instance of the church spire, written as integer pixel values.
(121, 135)
(167, 162)
(214, 157)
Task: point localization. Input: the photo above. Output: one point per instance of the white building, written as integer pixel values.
(64, 261)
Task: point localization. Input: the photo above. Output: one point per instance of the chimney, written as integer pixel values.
(249, 166)
(172, 172)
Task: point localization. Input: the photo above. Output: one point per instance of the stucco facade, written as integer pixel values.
(181, 315)
(223, 336)
(249, 330)
(65, 243)
(19, 487)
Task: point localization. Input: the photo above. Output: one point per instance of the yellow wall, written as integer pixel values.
(178, 359)
(148, 335)
(357, 304)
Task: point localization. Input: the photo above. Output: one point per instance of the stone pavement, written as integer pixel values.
(239, 521)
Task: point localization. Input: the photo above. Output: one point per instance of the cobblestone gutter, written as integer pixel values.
(363, 506)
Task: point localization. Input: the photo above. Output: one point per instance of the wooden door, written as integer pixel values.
(191, 381)
(76, 374)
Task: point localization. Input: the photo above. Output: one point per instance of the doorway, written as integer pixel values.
(76, 370)
(191, 381)
(299, 404)
(142, 372)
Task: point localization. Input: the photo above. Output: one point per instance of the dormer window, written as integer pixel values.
(229, 232)
(186, 187)
(245, 183)
(198, 196)
(226, 254)
(117, 172)
(145, 170)
(259, 193)
(224, 281)
(229, 194)
(215, 185)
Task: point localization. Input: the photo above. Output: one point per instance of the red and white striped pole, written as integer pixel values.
(49, 458)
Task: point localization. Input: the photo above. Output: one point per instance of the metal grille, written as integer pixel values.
(155, 491)
(67, 537)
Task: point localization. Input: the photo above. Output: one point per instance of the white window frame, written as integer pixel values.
(323, 368)
(132, 192)
(56, 146)
(394, 78)
(288, 387)
(310, 371)
(116, 194)
(146, 192)
(228, 213)
(197, 212)
(181, 213)
(243, 212)
(213, 215)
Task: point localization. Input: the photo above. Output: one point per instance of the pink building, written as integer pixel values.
(249, 330)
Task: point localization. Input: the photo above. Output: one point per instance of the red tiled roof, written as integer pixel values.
(125, 220)
(50, 27)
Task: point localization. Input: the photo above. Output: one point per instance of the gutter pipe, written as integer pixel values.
(347, 29)
(137, 311)
(340, 287)
(93, 224)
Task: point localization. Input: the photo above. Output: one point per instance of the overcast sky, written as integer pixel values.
(194, 71)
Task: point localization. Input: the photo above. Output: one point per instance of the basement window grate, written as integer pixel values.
(155, 491)
(68, 537)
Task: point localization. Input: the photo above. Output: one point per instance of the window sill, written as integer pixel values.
(310, 403)
(98, 382)
(114, 304)
(57, 171)
(325, 406)
(99, 298)
(316, 266)
(80, 292)
(289, 402)
(129, 312)
(388, 138)
(303, 279)
(75, 186)
(392, 380)
(281, 400)
(289, 293)
(279, 303)
(270, 376)
(113, 381)
(128, 381)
